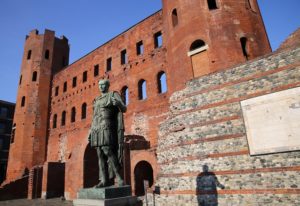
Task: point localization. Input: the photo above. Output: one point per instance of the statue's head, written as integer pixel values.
(103, 85)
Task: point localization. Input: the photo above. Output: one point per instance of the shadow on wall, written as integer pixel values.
(207, 183)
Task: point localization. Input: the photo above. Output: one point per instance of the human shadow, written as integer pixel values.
(207, 183)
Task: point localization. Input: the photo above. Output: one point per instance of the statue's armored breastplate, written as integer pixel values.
(104, 114)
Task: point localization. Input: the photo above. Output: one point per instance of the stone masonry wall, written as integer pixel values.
(206, 127)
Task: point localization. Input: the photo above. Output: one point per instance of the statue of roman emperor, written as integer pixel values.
(107, 134)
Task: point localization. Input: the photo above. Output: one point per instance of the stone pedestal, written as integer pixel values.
(107, 196)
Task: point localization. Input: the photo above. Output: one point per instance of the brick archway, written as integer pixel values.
(142, 156)
(90, 167)
(142, 171)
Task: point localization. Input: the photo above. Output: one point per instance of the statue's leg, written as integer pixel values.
(102, 168)
(113, 161)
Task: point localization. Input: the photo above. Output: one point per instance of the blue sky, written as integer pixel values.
(89, 23)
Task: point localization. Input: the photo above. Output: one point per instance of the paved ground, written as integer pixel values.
(36, 202)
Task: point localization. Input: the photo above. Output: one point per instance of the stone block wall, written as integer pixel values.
(205, 128)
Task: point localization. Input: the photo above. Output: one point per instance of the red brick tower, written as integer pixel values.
(43, 56)
(203, 36)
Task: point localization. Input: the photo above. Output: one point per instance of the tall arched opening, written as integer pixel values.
(90, 167)
(142, 171)
(199, 57)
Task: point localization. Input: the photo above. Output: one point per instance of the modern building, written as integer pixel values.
(6, 134)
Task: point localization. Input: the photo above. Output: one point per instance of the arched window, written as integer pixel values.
(54, 124)
(162, 82)
(199, 58)
(212, 4)
(23, 101)
(73, 114)
(197, 44)
(125, 95)
(29, 54)
(20, 80)
(142, 89)
(243, 41)
(34, 76)
(83, 111)
(47, 54)
(174, 18)
(63, 118)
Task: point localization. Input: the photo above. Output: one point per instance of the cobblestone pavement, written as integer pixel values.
(36, 202)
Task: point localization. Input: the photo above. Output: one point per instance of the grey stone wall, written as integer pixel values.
(206, 127)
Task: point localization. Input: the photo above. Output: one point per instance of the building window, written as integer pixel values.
(56, 91)
(125, 95)
(20, 80)
(243, 41)
(47, 54)
(124, 59)
(84, 76)
(2, 128)
(83, 111)
(54, 121)
(158, 39)
(34, 76)
(3, 112)
(174, 18)
(142, 89)
(13, 131)
(74, 82)
(108, 64)
(140, 48)
(197, 44)
(29, 55)
(63, 118)
(1, 144)
(162, 82)
(65, 87)
(96, 70)
(212, 4)
(23, 101)
(73, 114)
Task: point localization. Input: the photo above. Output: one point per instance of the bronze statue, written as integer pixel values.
(107, 134)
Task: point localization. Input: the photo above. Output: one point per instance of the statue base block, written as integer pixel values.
(106, 196)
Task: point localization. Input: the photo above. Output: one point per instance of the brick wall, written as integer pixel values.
(205, 127)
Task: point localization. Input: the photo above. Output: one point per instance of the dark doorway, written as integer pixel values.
(55, 180)
(90, 167)
(142, 171)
